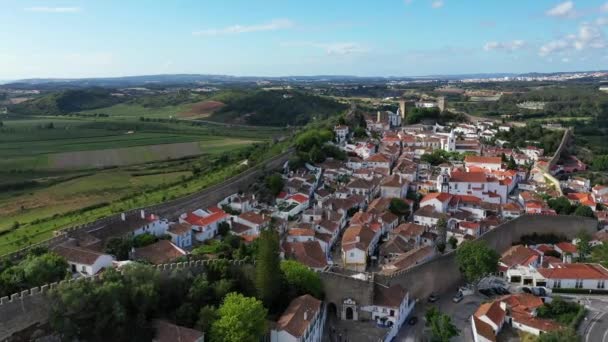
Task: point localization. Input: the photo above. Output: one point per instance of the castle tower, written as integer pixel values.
(441, 103)
(402, 109)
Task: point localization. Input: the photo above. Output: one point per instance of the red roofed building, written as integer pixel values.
(205, 223)
(358, 242)
(518, 309)
(575, 276)
(303, 320)
(567, 250)
(488, 163)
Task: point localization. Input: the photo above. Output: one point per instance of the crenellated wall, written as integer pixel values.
(29, 307)
(442, 274)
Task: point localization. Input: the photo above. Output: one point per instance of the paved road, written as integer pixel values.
(459, 312)
(594, 328)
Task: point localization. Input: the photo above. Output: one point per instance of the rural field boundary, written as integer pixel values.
(170, 209)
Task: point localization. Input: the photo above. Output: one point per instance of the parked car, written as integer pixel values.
(466, 290)
(413, 320)
(486, 292)
(433, 298)
(458, 297)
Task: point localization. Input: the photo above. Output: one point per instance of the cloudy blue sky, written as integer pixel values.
(78, 38)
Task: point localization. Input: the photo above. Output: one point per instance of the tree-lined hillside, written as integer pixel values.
(68, 101)
(276, 108)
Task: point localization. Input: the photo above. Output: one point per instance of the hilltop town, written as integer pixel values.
(372, 197)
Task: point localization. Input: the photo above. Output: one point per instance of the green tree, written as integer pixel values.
(360, 132)
(144, 239)
(223, 229)
(600, 254)
(46, 268)
(564, 335)
(206, 317)
(561, 205)
(583, 245)
(399, 207)
(267, 277)
(274, 183)
(442, 328)
(475, 260)
(585, 211)
(442, 229)
(201, 291)
(511, 164)
(119, 247)
(240, 319)
(302, 279)
(453, 242)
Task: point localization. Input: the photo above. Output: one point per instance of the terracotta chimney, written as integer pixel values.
(142, 213)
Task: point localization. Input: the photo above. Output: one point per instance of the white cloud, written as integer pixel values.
(587, 37)
(603, 21)
(335, 48)
(565, 60)
(604, 8)
(407, 2)
(437, 4)
(562, 10)
(53, 9)
(553, 46)
(505, 46)
(273, 25)
(344, 48)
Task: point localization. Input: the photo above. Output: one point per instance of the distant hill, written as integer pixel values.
(274, 108)
(66, 102)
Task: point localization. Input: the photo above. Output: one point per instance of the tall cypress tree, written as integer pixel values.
(268, 268)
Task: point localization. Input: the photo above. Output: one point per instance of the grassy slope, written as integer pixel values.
(33, 232)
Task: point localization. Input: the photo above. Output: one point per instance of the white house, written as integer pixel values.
(358, 242)
(302, 321)
(181, 234)
(341, 133)
(391, 306)
(574, 276)
(84, 261)
(478, 184)
(489, 163)
(394, 187)
(205, 223)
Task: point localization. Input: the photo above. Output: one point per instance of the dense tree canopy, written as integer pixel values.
(34, 270)
(442, 328)
(240, 319)
(475, 260)
(301, 279)
(268, 276)
(585, 211)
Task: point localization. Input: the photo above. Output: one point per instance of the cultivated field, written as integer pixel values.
(201, 110)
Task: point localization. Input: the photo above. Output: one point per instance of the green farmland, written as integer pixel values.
(58, 171)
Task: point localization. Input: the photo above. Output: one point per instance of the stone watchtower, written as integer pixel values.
(402, 110)
(442, 103)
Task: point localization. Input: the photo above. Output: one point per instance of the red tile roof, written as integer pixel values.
(196, 220)
(254, 218)
(298, 315)
(468, 177)
(575, 271)
(483, 159)
(493, 311)
(566, 247)
(299, 198)
(518, 255)
(440, 196)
